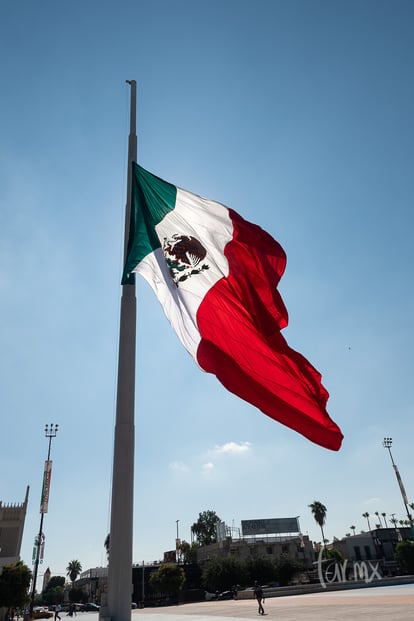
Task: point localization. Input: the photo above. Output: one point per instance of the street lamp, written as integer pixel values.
(387, 443)
(177, 545)
(50, 432)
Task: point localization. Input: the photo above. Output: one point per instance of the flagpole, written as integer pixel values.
(121, 530)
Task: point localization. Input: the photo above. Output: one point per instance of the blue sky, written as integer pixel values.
(296, 114)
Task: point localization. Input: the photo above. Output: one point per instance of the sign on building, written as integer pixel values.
(270, 526)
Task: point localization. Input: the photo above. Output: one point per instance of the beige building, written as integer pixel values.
(258, 538)
(297, 547)
(12, 518)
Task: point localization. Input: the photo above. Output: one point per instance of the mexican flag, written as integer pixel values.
(216, 277)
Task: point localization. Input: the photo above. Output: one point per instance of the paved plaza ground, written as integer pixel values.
(393, 603)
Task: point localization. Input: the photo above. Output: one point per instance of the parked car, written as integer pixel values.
(41, 613)
(209, 596)
(89, 607)
(226, 595)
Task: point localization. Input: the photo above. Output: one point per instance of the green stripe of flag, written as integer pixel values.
(152, 198)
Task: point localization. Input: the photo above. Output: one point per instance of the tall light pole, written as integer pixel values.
(387, 443)
(177, 545)
(50, 432)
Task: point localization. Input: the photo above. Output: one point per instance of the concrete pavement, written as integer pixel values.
(391, 603)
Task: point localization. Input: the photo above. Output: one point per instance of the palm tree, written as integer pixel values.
(366, 515)
(353, 529)
(378, 516)
(319, 513)
(384, 515)
(73, 570)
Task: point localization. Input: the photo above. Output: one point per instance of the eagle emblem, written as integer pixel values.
(183, 255)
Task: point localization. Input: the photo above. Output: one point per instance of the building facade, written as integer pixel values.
(297, 547)
(12, 519)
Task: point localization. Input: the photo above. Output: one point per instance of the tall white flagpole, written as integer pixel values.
(120, 543)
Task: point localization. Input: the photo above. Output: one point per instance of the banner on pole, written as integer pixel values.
(42, 548)
(38, 546)
(35, 546)
(400, 483)
(47, 475)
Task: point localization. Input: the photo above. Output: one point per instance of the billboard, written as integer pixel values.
(270, 526)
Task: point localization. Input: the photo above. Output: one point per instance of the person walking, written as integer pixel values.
(57, 611)
(258, 593)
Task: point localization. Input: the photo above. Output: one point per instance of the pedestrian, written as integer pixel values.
(57, 611)
(258, 593)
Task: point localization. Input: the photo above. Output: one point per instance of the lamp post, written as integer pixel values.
(50, 432)
(387, 443)
(177, 545)
(143, 585)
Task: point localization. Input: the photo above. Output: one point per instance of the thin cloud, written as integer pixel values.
(371, 502)
(233, 448)
(208, 467)
(179, 466)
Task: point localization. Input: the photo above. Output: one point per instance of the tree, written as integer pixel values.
(353, 529)
(220, 574)
(107, 544)
(378, 516)
(333, 554)
(286, 568)
(73, 570)
(261, 569)
(55, 581)
(169, 578)
(384, 515)
(54, 591)
(366, 515)
(205, 528)
(77, 595)
(188, 552)
(14, 585)
(53, 596)
(319, 513)
(404, 555)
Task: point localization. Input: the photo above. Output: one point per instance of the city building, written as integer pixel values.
(12, 518)
(270, 537)
(375, 545)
